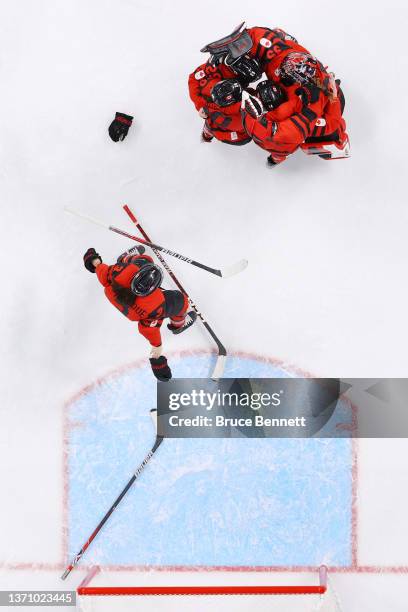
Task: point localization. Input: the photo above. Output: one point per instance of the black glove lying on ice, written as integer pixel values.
(89, 256)
(160, 368)
(119, 127)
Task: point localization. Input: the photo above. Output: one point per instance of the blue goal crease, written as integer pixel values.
(235, 502)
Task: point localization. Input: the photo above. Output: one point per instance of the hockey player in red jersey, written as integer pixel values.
(133, 286)
(206, 85)
(216, 93)
(281, 120)
(223, 114)
(202, 81)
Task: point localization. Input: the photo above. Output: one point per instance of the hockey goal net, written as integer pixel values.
(202, 598)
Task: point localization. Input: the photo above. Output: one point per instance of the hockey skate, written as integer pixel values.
(270, 162)
(329, 150)
(188, 322)
(206, 135)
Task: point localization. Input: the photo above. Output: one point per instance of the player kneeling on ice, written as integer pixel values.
(133, 286)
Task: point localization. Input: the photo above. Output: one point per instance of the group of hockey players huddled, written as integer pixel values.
(260, 84)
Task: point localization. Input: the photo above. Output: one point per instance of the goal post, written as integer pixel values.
(308, 597)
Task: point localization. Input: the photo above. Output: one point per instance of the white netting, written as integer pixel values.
(230, 603)
(328, 602)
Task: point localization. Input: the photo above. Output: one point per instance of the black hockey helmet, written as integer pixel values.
(227, 92)
(270, 94)
(146, 280)
(246, 67)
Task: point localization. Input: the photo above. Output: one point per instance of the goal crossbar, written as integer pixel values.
(319, 589)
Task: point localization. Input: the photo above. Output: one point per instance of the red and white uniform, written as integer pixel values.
(202, 81)
(150, 310)
(308, 113)
(224, 123)
(270, 48)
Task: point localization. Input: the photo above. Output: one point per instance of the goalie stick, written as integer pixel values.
(115, 504)
(222, 353)
(239, 266)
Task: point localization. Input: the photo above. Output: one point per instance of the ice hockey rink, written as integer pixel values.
(324, 293)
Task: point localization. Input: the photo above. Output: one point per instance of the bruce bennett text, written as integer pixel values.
(222, 421)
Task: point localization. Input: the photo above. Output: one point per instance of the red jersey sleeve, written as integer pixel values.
(334, 121)
(136, 259)
(284, 136)
(195, 87)
(151, 333)
(102, 272)
(285, 110)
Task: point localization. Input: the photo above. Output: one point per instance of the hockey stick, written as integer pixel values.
(93, 535)
(239, 266)
(222, 353)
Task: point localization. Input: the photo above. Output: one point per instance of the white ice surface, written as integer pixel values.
(326, 242)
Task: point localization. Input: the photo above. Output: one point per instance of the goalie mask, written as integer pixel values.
(299, 68)
(227, 92)
(146, 280)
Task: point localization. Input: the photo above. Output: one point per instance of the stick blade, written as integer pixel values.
(234, 269)
(71, 211)
(153, 415)
(219, 368)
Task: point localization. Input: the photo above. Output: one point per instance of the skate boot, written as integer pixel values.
(329, 150)
(270, 162)
(206, 135)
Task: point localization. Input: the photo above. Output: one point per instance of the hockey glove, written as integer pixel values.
(253, 106)
(138, 249)
(203, 112)
(89, 256)
(119, 127)
(160, 368)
